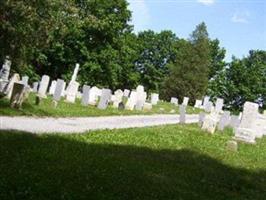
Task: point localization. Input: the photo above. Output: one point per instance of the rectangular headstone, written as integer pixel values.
(210, 122)
(59, 88)
(85, 95)
(201, 118)
(185, 101)
(205, 101)
(198, 104)
(154, 98)
(117, 98)
(104, 99)
(209, 106)
(52, 87)
(224, 121)
(35, 86)
(132, 100)
(43, 86)
(174, 100)
(25, 80)
(219, 105)
(72, 91)
(126, 93)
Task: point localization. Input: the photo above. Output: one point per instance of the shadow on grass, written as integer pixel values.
(56, 167)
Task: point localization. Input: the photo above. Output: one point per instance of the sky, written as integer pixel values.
(240, 25)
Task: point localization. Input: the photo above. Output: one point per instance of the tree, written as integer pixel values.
(189, 72)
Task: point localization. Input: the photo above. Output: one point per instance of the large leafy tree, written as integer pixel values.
(189, 72)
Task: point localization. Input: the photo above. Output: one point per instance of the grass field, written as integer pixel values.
(165, 162)
(77, 110)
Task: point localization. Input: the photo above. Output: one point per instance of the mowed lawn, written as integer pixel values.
(64, 109)
(164, 162)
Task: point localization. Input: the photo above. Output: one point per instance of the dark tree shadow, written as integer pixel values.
(54, 167)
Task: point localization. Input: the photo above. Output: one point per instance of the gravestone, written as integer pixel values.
(201, 118)
(52, 87)
(25, 80)
(126, 93)
(219, 105)
(117, 98)
(205, 101)
(121, 106)
(174, 100)
(147, 106)
(4, 75)
(141, 97)
(59, 88)
(35, 86)
(210, 122)
(198, 104)
(182, 113)
(224, 121)
(85, 95)
(232, 146)
(72, 91)
(132, 100)
(93, 95)
(209, 106)
(79, 95)
(14, 79)
(185, 101)
(18, 95)
(260, 125)
(234, 121)
(43, 86)
(246, 130)
(154, 98)
(104, 99)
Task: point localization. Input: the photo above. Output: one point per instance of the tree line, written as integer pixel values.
(49, 37)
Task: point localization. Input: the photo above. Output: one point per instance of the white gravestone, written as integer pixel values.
(147, 106)
(174, 100)
(185, 101)
(209, 106)
(246, 131)
(93, 96)
(224, 121)
(52, 87)
(154, 98)
(234, 121)
(205, 101)
(14, 79)
(72, 91)
(59, 89)
(117, 98)
(198, 104)
(25, 80)
(141, 98)
(210, 122)
(126, 93)
(182, 113)
(201, 118)
(219, 105)
(105, 98)
(260, 126)
(35, 86)
(4, 75)
(85, 95)
(43, 86)
(132, 100)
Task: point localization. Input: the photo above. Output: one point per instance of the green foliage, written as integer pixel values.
(243, 80)
(164, 162)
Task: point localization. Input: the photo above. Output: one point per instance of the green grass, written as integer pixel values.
(77, 110)
(165, 162)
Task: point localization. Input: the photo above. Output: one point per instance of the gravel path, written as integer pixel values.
(80, 125)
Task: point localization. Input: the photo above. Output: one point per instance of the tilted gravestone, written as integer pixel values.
(52, 87)
(59, 89)
(246, 131)
(85, 95)
(4, 74)
(185, 101)
(174, 100)
(43, 86)
(154, 98)
(104, 99)
(182, 113)
(132, 100)
(224, 121)
(19, 94)
(14, 79)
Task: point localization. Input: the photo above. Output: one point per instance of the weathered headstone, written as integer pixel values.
(232, 146)
(219, 105)
(224, 121)
(132, 100)
(59, 88)
(185, 101)
(85, 95)
(52, 87)
(126, 93)
(182, 113)
(121, 106)
(43, 86)
(105, 98)
(141, 97)
(117, 98)
(147, 106)
(35, 86)
(18, 95)
(174, 100)
(205, 101)
(246, 130)
(210, 122)
(93, 96)
(154, 98)
(14, 79)
(234, 121)
(201, 118)
(4, 74)
(25, 80)
(198, 104)
(72, 91)
(209, 106)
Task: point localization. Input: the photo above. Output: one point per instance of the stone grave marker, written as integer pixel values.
(147, 106)
(14, 79)
(224, 121)
(182, 113)
(185, 101)
(52, 87)
(126, 93)
(246, 130)
(219, 105)
(154, 98)
(210, 122)
(121, 106)
(25, 80)
(59, 89)
(35, 86)
(4, 75)
(234, 121)
(85, 95)
(205, 101)
(93, 96)
(19, 94)
(117, 98)
(43, 86)
(72, 91)
(174, 100)
(201, 118)
(198, 104)
(232, 146)
(104, 99)
(208, 107)
(132, 100)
